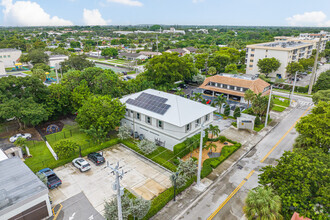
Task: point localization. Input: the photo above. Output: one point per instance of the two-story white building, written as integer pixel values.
(165, 118)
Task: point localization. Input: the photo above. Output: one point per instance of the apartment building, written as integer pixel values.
(9, 56)
(325, 34)
(164, 118)
(284, 51)
(314, 41)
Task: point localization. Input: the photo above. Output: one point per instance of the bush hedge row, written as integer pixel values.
(182, 149)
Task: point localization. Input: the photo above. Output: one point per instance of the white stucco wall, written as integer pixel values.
(9, 57)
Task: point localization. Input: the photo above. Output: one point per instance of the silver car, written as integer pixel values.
(81, 164)
(20, 135)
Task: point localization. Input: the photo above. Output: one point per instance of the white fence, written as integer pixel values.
(51, 150)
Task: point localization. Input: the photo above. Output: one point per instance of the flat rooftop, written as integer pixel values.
(286, 44)
(245, 76)
(8, 50)
(18, 184)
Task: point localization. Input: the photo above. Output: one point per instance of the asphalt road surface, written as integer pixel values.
(225, 198)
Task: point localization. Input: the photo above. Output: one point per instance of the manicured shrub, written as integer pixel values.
(222, 139)
(215, 163)
(237, 112)
(227, 110)
(257, 121)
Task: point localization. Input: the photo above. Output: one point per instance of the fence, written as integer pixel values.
(65, 133)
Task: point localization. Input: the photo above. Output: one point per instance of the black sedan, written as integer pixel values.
(96, 158)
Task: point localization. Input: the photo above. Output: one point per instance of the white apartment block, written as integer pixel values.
(164, 118)
(9, 56)
(285, 52)
(314, 41)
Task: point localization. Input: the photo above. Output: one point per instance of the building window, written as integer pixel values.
(252, 49)
(160, 124)
(0, 56)
(148, 120)
(252, 55)
(212, 84)
(238, 88)
(198, 122)
(187, 127)
(206, 117)
(138, 116)
(251, 60)
(4, 56)
(8, 56)
(232, 87)
(250, 65)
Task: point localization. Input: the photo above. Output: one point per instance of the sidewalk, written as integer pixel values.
(248, 140)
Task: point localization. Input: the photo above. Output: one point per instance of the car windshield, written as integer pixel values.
(80, 160)
(86, 165)
(99, 158)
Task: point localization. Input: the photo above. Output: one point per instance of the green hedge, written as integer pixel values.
(162, 199)
(182, 149)
(212, 163)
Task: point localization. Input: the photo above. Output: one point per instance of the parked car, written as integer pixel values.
(129, 77)
(124, 72)
(81, 164)
(52, 179)
(96, 158)
(125, 79)
(208, 92)
(183, 86)
(20, 135)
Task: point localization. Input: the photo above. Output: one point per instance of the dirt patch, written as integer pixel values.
(205, 151)
(35, 134)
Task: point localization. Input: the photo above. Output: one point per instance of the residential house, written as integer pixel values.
(57, 59)
(150, 53)
(191, 49)
(233, 87)
(132, 56)
(180, 51)
(165, 118)
(22, 194)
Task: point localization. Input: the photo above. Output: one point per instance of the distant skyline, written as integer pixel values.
(168, 12)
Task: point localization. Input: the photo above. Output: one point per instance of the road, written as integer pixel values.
(225, 198)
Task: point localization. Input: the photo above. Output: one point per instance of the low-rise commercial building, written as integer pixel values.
(233, 87)
(285, 52)
(9, 56)
(165, 118)
(22, 194)
(57, 59)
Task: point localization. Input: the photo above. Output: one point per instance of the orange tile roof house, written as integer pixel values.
(233, 87)
(297, 217)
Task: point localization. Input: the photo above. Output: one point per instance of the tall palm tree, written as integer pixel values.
(263, 204)
(219, 100)
(198, 96)
(214, 129)
(249, 96)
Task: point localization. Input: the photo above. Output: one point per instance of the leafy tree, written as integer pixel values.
(79, 95)
(109, 52)
(180, 180)
(27, 111)
(301, 178)
(146, 146)
(306, 63)
(263, 204)
(294, 67)
(42, 66)
(237, 112)
(38, 56)
(322, 95)
(201, 59)
(168, 68)
(314, 128)
(249, 96)
(260, 103)
(124, 132)
(40, 73)
(155, 27)
(42, 177)
(76, 62)
(111, 208)
(101, 112)
(212, 70)
(219, 61)
(323, 82)
(219, 100)
(59, 100)
(227, 110)
(231, 68)
(98, 133)
(139, 207)
(199, 78)
(65, 148)
(188, 167)
(39, 44)
(257, 120)
(268, 65)
(75, 44)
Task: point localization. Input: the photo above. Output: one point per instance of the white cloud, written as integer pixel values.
(93, 17)
(27, 13)
(127, 2)
(313, 18)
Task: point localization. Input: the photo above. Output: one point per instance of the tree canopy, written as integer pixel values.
(76, 62)
(323, 82)
(268, 65)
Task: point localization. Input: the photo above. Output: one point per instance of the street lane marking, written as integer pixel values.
(271, 150)
(231, 195)
(58, 211)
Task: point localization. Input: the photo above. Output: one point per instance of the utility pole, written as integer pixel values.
(115, 170)
(270, 97)
(311, 82)
(200, 157)
(294, 84)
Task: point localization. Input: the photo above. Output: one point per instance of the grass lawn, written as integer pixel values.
(284, 103)
(118, 61)
(297, 93)
(278, 108)
(92, 58)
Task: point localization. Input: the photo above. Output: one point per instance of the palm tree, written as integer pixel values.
(263, 204)
(219, 100)
(214, 129)
(210, 146)
(249, 96)
(198, 96)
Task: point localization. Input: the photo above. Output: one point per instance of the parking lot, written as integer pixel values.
(142, 179)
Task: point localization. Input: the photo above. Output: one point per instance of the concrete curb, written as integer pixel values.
(146, 158)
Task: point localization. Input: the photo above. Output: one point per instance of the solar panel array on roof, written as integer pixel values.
(150, 102)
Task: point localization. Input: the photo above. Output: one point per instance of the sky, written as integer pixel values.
(169, 12)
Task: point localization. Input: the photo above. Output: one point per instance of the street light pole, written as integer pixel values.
(174, 177)
(200, 157)
(311, 82)
(270, 97)
(294, 85)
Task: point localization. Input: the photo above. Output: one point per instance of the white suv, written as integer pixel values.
(20, 135)
(81, 164)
